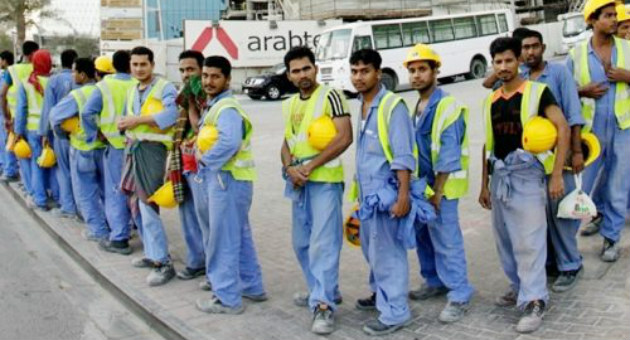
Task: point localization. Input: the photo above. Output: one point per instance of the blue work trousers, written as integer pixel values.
(61, 146)
(563, 231)
(116, 208)
(9, 162)
(87, 179)
(152, 232)
(42, 179)
(195, 256)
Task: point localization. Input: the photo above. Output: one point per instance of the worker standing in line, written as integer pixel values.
(59, 86)
(228, 167)
(8, 162)
(315, 184)
(441, 124)
(513, 180)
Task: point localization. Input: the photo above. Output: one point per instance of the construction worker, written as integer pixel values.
(228, 170)
(104, 106)
(513, 181)
(149, 137)
(385, 253)
(59, 86)
(8, 162)
(600, 68)
(441, 134)
(492, 81)
(86, 164)
(315, 185)
(623, 22)
(27, 118)
(14, 76)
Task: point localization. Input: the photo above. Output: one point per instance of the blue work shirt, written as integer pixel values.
(231, 129)
(449, 158)
(560, 81)
(371, 161)
(168, 116)
(2, 72)
(21, 112)
(92, 110)
(65, 109)
(6, 76)
(59, 85)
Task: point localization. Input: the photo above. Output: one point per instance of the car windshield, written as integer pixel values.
(334, 45)
(573, 26)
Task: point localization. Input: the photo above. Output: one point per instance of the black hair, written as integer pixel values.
(85, 65)
(500, 45)
(68, 57)
(192, 54)
(298, 52)
(7, 56)
(141, 50)
(367, 56)
(532, 34)
(520, 33)
(120, 60)
(598, 12)
(219, 62)
(29, 47)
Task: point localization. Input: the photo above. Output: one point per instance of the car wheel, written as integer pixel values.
(478, 69)
(273, 92)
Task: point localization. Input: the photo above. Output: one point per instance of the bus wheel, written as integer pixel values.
(477, 68)
(389, 81)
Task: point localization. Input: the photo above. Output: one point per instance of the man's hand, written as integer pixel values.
(618, 75)
(8, 124)
(556, 186)
(401, 207)
(436, 199)
(44, 140)
(484, 198)
(577, 162)
(128, 122)
(297, 178)
(593, 90)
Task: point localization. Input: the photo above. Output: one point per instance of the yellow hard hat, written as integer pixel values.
(70, 125)
(104, 64)
(10, 142)
(539, 135)
(164, 196)
(591, 149)
(352, 227)
(151, 106)
(593, 5)
(47, 159)
(22, 149)
(422, 52)
(321, 132)
(208, 135)
(622, 13)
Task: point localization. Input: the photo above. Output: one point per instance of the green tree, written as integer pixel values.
(22, 14)
(6, 43)
(85, 46)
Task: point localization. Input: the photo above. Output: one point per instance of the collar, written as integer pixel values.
(434, 99)
(224, 94)
(122, 75)
(377, 99)
(526, 71)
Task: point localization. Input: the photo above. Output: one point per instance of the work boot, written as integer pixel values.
(532, 318)
(142, 262)
(9, 179)
(255, 297)
(567, 280)
(453, 311)
(323, 320)
(610, 251)
(368, 303)
(214, 306)
(205, 286)
(189, 274)
(91, 237)
(506, 300)
(301, 299)
(425, 292)
(592, 227)
(161, 274)
(119, 247)
(376, 327)
(58, 213)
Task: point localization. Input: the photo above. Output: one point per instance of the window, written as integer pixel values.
(464, 28)
(487, 24)
(415, 33)
(442, 30)
(503, 24)
(361, 42)
(387, 36)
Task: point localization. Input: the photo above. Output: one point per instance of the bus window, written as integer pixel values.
(415, 33)
(442, 30)
(503, 24)
(487, 24)
(387, 36)
(361, 42)
(334, 45)
(464, 27)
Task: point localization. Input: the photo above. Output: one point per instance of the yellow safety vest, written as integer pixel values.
(19, 73)
(241, 165)
(582, 75)
(35, 101)
(114, 92)
(78, 140)
(529, 109)
(145, 132)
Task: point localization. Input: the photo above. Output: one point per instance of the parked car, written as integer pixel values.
(272, 85)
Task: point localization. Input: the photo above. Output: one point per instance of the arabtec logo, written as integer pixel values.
(206, 37)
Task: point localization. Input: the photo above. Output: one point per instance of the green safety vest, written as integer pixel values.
(114, 92)
(35, 101)
(241, 165)
(78, 139)
(144, 132)
(529, 109)
(317, 105)
(19, 73)
(581, 74)
(448, 112)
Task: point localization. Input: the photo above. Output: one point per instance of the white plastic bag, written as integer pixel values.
(577, 204)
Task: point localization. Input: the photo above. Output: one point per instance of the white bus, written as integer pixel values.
(461, 40)
(574, 30)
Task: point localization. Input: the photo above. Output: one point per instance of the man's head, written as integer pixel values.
(120, 59)
(505, 54)
(141, 63)
(532, 48)
(6, 59)
(190, 64)
(215, 76)
(301, 68)
(623, 22)
(28, 48)
(365, 70)
(423, 65)
(603, 20)
(83, 70)
(68, 57)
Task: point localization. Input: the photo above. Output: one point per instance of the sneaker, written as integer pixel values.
(323, 321)
(255, 297)
(506, 300)
(91, 237)
(214, 305)
(453, 311)
(161, 274)
(368, 303)
(532, 318)
(56, 212)
(52, 204)
(119, 247)
(301, 299)
(567, 280)
(189, 274)
(9, 179)
(205, 286)
(592, 227)
(425, 292)
(375, 327)
(142, 262)
(610, 251)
